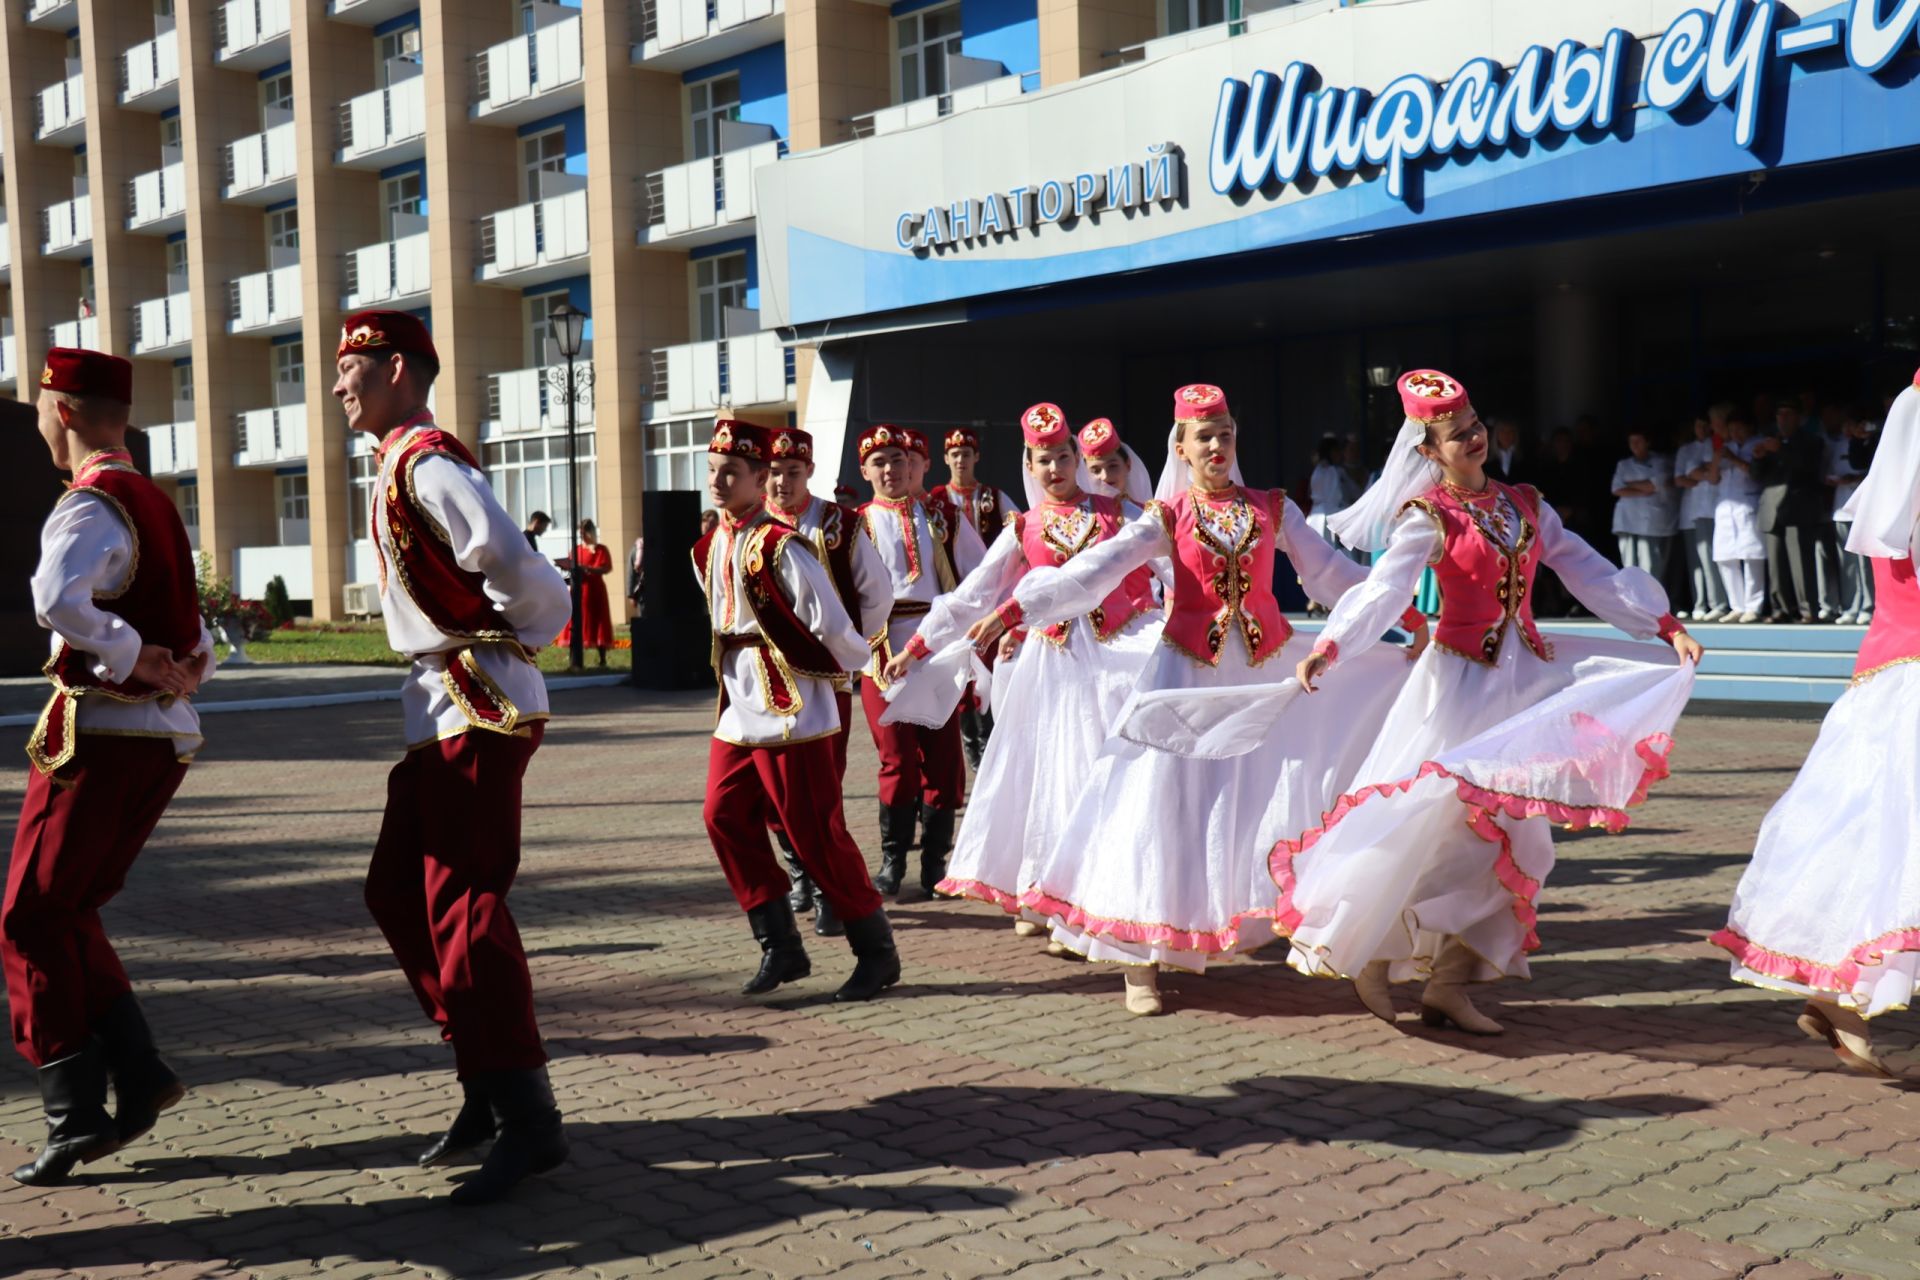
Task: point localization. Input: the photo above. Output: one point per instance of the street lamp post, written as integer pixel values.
(569, 329)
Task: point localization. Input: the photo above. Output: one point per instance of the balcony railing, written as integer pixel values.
(84, 332)
(157, 200)
(265, 302)
(532, 238)
(9, 362)
(150, 72)
(261, 166)
(163, 326)
(66, 228)
(382, 274)
(663, 26)
(270, 437)
(251, 33)
(536, 399)
(6, 249)
(907, 115)
(62, 14)
(60, 111)
(173, 448)
(529, 69)
(706, 199)
(369, 13)
(699, 376)
(387, 126)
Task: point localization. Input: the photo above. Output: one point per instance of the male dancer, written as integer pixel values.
(780, 637)
(988, 510)
(467, 598)
(116, 587)
(859, 580)
(927, 551)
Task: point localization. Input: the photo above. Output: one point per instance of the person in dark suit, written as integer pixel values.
(1506, 460)
(1794, 515)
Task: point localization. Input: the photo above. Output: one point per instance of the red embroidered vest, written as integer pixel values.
(1219, 589)
(981, 505)
(1046, 544)
(833, 541)
(942, 521)
(454, 599)
(160, 600)
(1484, 588)
(1894, 636)
(788, 650)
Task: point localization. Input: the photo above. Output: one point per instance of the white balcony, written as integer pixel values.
(173, 449)
(270, 437)
(536, 399)
(266, 302)
(53, 15)
(157, 200)
(534, 243)
(369, 13)
(150, 73)
(396, 273)
(385, 127)
(674, 35)
(909, 115)
(699, 377)
(252, 35)
(77, 333)
(163, 326)
(532, 75)
(704, 201)
(261, 168)
(66, 229)
(9, 362)
(255, 567)
(60, 112)
(6, 253)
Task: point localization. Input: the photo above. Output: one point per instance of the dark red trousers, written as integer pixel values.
(916, 763)
(843, 698)
(76, 840)
(448, 850)
(798, 785)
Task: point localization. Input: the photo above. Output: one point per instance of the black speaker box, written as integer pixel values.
(30, 486)
(673, 638)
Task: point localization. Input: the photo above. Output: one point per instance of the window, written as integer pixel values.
(73, 53)
(289, 373)
(708, 103)
(183, 393)
(676, 454)
(362, 472)
(541, 351)
(399, 197)
(189, 494)
(283, 229)
(542, 153)
(291, 494)
(1191, 15)
(926, 39)
(530, 475)
(170, 135)
(718, 283)
(394, 44)
(176, 265)
(276, 94)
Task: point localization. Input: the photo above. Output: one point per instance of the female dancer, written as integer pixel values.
(1160, 860)
(1429, 868)
(1057, 700)
(1829, 909)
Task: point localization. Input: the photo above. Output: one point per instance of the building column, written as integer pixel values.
(1077, 35)
(838, 66)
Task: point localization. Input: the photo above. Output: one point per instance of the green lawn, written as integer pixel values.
(365, 644)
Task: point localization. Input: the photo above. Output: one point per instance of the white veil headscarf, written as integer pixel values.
(1884, 508)
(1176, 477)
(1404, 476)
(1139, 489)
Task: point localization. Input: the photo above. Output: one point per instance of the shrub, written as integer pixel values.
(279, 606)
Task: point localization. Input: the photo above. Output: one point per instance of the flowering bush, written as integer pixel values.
(220, 604)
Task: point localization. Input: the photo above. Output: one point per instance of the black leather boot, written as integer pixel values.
(801, 896)
(935, 846)
(876, 962)
(473, 1126)
(73, 1093)
(896, 838)
(825, 922)
(143, 1085)
(530, 1139)
(975, 728)
(783, 957)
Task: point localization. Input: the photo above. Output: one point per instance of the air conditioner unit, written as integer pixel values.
(362, 599)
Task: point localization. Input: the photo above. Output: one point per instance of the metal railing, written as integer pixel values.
(656, 388)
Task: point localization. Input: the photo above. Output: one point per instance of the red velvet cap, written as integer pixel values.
(791, 442)
(1428, 395)
(882, 435)
(962, 438)
(1044, 426)
(741, 440)
(1200, 402)
(914, 442)
(384, 333)
(1098, 439)
(80, 372)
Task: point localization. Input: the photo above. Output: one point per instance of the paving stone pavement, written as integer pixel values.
(997, 1114)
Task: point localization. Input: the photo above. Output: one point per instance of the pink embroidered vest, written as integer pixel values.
(1894, 636)
(1047, 544)
(1220, 589)
(1484, 587)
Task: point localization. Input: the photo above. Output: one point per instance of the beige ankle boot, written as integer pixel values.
(1846, 1032)
(1444, 1003)
(1371, 985)
(1026, 928)
(1143, 990)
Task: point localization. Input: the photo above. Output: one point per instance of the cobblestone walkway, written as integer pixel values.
(998, 1114)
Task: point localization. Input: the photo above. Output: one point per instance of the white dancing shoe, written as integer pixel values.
(1846, 1034)
(1061, 951)
(1371, 985)
(1748, 618)
(1721, 614)
(1143, 990)
(1445, 1004)
(1026, 928)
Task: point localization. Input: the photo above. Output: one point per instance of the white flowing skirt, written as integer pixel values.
(1163, 859)
(1446, 831)
(1053, 707)
(1830, 905)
